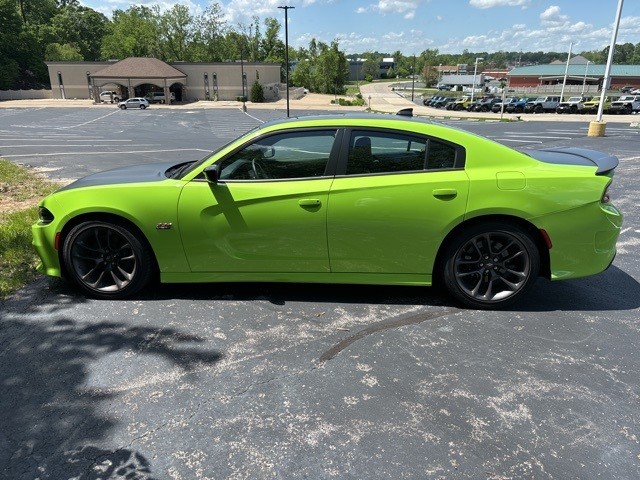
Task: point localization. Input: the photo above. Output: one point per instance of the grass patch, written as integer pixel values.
(20, 191)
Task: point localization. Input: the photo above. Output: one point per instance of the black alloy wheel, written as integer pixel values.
(490, 265)
(106, 260)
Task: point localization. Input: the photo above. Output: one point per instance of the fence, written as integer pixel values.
(25, 94)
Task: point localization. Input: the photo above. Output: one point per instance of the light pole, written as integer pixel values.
(584, 81)
(475, 72)
(597, 128)
(566, 71)
(413, 77)
(286, 49)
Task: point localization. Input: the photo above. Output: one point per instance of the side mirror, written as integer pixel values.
(212, 173)
(268, 152)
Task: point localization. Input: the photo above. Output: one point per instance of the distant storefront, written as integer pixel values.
(139, 76)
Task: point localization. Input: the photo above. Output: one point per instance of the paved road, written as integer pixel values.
(291, 381)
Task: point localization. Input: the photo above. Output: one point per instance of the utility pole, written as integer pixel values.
(286, 49)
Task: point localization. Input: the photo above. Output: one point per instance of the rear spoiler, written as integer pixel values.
(604, 162)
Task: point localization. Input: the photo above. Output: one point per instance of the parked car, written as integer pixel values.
(412, 203)
(572, 105)
(461, 103)
(542, 104)
(158, 97)
(485, 104)
(427, 101)
(626, 105)
(592, 105)
(109, 96)
(635, 91)
(518, 106)
(442, 103)
(502, 106)
(135, 102)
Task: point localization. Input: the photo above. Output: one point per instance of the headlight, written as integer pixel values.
(45, 215)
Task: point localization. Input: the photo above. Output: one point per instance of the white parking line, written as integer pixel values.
(107, 153)
(90, 121)
(515, 140)
(69, 145)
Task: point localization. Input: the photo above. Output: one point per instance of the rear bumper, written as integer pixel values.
(584, 240)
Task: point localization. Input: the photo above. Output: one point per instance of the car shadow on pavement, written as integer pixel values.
(53, 423)
(611, 290)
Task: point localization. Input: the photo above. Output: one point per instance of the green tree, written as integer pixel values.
(133, 33)
(175, 27)
(272, 48)
(62, 53)
(331, 71)
(80, 27)
(302, 75)
(208, 36)
(371, 65)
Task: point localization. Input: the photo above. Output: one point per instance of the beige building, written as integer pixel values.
(139, 76)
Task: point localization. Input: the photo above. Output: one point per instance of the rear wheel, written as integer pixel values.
(490, 265)
(106, 260)
(142, 107)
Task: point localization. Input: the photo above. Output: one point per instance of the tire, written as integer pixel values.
(123, 107)
(106, 260)
(538, 109)
(490, 265)
(518, 109)
(142, 107)
(627, 110)
(573, 109)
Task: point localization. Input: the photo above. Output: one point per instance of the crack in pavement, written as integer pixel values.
(385, 325)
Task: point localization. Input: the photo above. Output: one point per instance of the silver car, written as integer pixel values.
(135, 102)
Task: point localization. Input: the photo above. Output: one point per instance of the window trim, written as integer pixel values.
(341, 170)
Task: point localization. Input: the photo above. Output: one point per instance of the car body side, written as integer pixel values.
(496, 183)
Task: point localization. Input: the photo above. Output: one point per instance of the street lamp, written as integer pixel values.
(286, 49)
(584, 81)
(475, 72)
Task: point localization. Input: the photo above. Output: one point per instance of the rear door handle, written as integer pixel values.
(445, 193)
(309, 202)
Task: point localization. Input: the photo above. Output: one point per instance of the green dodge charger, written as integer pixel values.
(353, 199)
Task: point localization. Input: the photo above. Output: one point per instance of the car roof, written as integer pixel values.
(345, 119)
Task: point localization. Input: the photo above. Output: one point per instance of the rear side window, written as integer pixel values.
(374, 152)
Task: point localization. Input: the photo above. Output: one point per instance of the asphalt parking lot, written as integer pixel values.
(296, 381)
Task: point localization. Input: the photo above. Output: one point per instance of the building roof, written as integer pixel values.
(591, 69)
(139, 67)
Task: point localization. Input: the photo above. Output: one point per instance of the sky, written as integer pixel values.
(451, 26)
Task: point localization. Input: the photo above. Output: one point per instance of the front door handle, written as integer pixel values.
(445, 193)
(309, 202)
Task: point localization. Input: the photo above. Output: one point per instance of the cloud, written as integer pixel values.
(552, 16)
(483, 4)
(406, 8)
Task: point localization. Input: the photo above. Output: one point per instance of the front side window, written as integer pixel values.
(302, 154)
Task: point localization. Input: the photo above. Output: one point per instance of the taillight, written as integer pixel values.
(606, 198)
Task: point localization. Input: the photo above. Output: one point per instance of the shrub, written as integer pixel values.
(257, 93)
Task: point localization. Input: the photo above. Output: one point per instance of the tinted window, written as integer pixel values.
(440, 155)
(281, 156)
(384, 152)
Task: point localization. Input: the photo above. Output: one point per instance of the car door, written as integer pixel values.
(395, 197)
(267, 212)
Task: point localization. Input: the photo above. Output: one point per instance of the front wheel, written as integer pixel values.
(123, 107)
(490, 265)
(106, 260)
